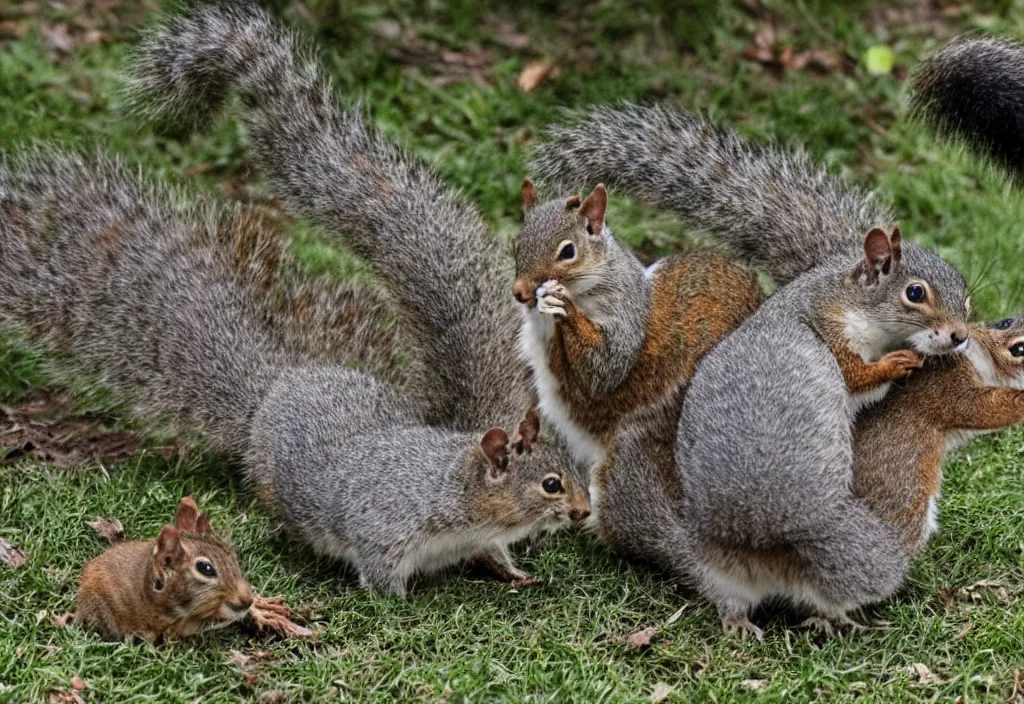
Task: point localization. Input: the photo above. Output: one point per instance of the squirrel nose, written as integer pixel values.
(578, 514)
(242, 605)
(522, 290)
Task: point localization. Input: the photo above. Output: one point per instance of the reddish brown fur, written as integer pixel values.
(696, 298)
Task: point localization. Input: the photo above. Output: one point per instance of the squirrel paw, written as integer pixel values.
(900, 363)
(742, 628)
(524, 581)
(552, 298)
(831, 624)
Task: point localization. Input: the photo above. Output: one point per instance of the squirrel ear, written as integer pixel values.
(572, 202)
(167, 550)
(529, 429)
(203, 526)
(495, 447)
(529, 195)
(880, 253)
(594, 208)
(187, 516)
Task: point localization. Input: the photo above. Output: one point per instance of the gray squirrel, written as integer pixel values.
(763, 449)
(159, 299)
(604, 335)
(972, 91)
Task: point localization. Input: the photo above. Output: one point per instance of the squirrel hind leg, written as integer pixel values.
(735, 615)
(383, 580)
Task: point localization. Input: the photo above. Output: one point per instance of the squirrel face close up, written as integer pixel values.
(999, 357)
(520, 487)
(561, 240)
(911, 294)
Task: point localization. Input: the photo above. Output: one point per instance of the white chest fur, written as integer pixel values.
(534, 337)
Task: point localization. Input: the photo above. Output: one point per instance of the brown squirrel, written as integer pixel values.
(184, 581)
(901, 443)
(604, 335)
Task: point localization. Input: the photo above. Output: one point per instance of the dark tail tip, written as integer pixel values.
(972, 92)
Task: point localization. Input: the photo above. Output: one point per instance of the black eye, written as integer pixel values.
(590, 229)
(1003, 324)
(568, 251)
(552, 485)
(915, 293)
(206, 569)
(1017, 350)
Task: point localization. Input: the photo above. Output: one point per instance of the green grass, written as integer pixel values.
(465, 639)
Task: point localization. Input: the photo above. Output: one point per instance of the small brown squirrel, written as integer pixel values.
(901, 443)
(604, 335)
(184, 581)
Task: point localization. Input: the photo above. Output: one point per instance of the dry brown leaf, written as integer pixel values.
(535, 73)
(642, 639)
(11, 555)
(110, 529)
(752, 685)
(924, 675)
(64, 696)
(78, 684)
(660, 693)
(274, 696)
(273, 614)
(968, 627)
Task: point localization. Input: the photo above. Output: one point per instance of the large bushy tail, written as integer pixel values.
(972, 91)
(450, 279)
(164, 302)
(773, 206)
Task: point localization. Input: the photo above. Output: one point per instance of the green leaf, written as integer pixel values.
(879, 60)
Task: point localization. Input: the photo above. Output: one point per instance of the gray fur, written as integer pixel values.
(128, 283)
(449, 278)
(774, 207)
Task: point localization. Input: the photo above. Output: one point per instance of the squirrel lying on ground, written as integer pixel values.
(764, 447)
(604, 335)
(185, 581)
(129, 283)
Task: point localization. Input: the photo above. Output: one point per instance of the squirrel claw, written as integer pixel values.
(901, 362)
(742, 628)
(831, 624)
(525, 581)
(552, 298)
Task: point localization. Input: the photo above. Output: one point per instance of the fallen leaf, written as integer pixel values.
(64, 696)
(968, 627)
(879, 60)
(78, 684)
(273, 614)
(63, 620)
(660, 693)
(924, 675)
(237, 657)
(11, 555)
(752, 685)
(274, 696)
(535, 73)
(110, 529)
(642, 639)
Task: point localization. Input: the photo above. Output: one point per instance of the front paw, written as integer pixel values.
(524, 581)
(553, 298)
(900, 363)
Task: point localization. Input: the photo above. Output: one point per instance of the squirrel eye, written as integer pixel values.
(568, 251)
(1017, 350)
(1003, 324)
(552, 485)
(915, 293)
(205, 568)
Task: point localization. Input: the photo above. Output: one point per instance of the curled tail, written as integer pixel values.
(172, 305)
(972, 91)
(774, 207)
(449, 278)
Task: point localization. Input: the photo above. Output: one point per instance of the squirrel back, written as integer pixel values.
(448, 276)
(772, 206)
(972, 91)
(184, 581)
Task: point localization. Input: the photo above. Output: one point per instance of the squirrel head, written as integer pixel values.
(562, 239)
(194, 573)
(910, 295)
(527, 484)
(1002, 344)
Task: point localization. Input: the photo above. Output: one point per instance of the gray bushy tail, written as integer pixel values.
(972, 91)
(173, 305)
(773, 206)
(450, 279)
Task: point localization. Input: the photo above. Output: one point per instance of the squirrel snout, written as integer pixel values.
(578, 514)
(523, 290)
